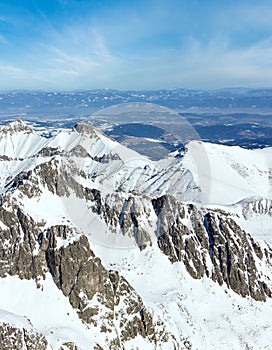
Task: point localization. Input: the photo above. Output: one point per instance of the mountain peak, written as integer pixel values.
(17, 126)
(84, 128)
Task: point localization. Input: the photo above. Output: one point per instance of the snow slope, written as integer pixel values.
(233, 173)
(49, 311)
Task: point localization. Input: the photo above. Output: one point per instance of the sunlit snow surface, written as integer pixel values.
(235, 173)
(47, 308)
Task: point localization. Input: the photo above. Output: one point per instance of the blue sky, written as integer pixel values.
(152, 44)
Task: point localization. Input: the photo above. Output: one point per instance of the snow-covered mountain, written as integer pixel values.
(102, 248)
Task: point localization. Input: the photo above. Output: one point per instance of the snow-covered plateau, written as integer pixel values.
(103, 248)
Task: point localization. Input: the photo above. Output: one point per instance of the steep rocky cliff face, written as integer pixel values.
(45, 234)
(212, 244)
(101, 297)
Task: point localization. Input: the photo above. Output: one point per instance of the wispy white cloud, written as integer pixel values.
(213, 64)
(11, 70)
(76, 58)
(220, 65)
(75, 62)
(18, 77)
(100, 48)
(185, 43)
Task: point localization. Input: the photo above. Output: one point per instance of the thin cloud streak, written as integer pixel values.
(222, 66)
(11, 70)
(161, 44)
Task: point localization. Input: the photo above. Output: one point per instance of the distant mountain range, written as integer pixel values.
(179, 99)
(236, 116)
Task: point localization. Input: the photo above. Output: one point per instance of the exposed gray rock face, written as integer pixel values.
(234, 260)
(212, 236)
(85, 129)
(102, 298)
(123, 214)
(49, 151)
(68, 346)
(12, 338)
(27, 184)
(58, 178)
(81, 277)
(18, 242)
(79, 151)
(257, 206)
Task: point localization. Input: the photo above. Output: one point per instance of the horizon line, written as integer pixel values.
(137, 90)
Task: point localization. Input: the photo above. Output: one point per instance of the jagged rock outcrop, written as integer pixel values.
(256, 206)
(81, 276)
(15, 338)
(124, 214)
(18, 243)
(50, 152)
(86, 129)
(102, 298)
(215, 236)
(68, 346)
